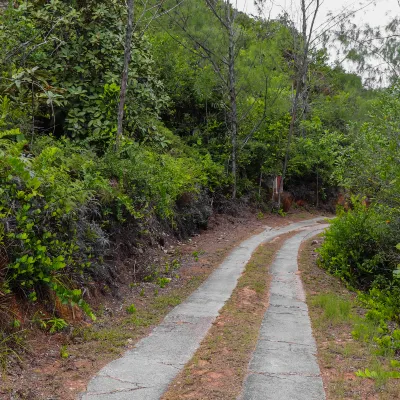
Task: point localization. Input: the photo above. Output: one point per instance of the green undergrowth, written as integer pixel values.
(59, 212)
(60, 206)
(360, 249)
(356, 335)
(66, 189)
(381, 339)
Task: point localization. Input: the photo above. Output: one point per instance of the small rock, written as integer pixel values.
(314, 242)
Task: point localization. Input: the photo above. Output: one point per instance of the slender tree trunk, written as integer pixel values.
(33, 114)
(125, 73)
(301, 82)
(232, 95)
(289, 142)
(226, 16)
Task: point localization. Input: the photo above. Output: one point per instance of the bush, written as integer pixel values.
(153, 181)
(48, 237)
(358, 246)
(56, 207)
(383, 303)
(61, 200)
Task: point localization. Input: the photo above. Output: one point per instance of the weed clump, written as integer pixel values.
(131, 309)
(336, 310)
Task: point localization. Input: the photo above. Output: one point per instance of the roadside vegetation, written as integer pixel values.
(362, 246)
(358, 342)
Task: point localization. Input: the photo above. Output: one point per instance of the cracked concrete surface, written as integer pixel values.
(146, 371)
(284, 364)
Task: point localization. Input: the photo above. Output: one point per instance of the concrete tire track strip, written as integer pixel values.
(145, 372)
(284, 364)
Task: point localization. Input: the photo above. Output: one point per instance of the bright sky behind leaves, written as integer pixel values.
(374, 15)
(377, 14)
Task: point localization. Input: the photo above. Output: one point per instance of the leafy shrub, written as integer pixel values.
(56, 325)
(56, 206)
(383, 303)
(374, 329)
(64, 190)
(357, 246)
(154, 180)
(43, 206)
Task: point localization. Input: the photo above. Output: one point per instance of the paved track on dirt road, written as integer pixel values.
(145, 372)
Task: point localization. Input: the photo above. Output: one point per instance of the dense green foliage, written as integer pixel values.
(362, 245)
(63, 187)
(359, 246)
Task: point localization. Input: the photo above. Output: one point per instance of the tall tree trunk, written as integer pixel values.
(232, 94)
(291, 132)
(125, 73)
(33, 114)
(301, 81)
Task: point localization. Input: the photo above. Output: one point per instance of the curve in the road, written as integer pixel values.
(146, 371)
